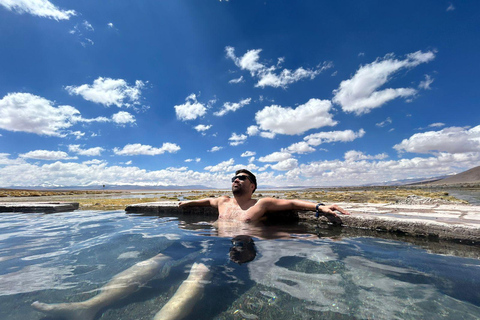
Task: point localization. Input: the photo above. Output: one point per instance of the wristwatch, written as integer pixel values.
(317, 214)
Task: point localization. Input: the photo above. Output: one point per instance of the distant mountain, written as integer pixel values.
(471, 176)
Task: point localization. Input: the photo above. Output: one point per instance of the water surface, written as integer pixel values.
(297, 273)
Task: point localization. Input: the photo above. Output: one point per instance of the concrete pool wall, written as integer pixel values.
(442, 221)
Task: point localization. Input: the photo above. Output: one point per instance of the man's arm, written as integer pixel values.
(271, 204)
(207, 202)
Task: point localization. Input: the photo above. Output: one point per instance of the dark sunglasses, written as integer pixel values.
(241, 178)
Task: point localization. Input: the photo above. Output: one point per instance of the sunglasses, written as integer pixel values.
(241, 178)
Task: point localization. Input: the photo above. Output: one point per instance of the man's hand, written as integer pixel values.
(330, 209)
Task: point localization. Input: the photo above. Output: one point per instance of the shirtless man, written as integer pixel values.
(243, 208)
(240, 208)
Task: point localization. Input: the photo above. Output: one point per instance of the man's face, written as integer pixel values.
(239, 186)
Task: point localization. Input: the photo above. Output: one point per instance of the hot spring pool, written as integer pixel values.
(296, 273)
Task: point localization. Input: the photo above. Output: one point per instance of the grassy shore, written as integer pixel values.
(113, 200)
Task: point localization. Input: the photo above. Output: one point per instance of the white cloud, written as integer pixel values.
(285, 165)
(311, 115)
(202, 127)
(192, 160)
(123, 117)
(46, 155)
(5, 160)
(40, 8)
(450, 7)
(337, 172)
(360, 94)
(215, 149)
(140, 149)
(229, 106)
(452, 140)
(87, 26)
(276, 157)
(384, 123)
(109, 92)
(91, 152)
(268, 75)
(436, 125)
(29, 113)
(333, 136)
(354, 155)
(229, 167)
(299, 147)
(191, 109)
(110, 25)
(425, 84)
(237, 139)
(268, 135)
(253, 130)
(237, 80)
(248, 154)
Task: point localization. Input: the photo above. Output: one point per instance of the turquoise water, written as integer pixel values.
(296, 273)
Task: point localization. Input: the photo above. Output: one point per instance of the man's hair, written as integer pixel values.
(252, 177)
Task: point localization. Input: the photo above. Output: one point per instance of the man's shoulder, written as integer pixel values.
(224, 198)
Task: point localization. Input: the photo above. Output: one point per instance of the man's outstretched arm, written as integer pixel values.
(272, 204)
(207, 202)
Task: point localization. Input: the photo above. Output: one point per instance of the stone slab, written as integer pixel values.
(448, 222)
(41, 207)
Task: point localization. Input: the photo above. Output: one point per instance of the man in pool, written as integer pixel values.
(239, 208)
(243, 208)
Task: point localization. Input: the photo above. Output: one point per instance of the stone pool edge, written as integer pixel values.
(457, 222)
(38, 207)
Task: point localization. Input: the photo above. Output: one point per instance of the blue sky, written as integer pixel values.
(184, 92)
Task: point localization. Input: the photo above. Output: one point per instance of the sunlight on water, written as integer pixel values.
(68, 257)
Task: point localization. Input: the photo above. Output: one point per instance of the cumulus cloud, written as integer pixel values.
(285, 165)
(360, 94)
(311, 115)
(229, 106)
(109, 92)
(202, 127)
(333, 136)
(253, 130)
(26, 112)
(451, 140)
(348, 172)
(215, 149)
(40, 8)
(272, 76)
(46, 155)
(248, 154)
(192, 160)
(236, 139)
(123, 117)
(140, 149)
(191, 109)
(354, 155)
(276, 157)
(91, 152)
(299, 147)
(229, 166)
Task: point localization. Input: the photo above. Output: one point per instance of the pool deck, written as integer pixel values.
(44, 207)
(442, 221)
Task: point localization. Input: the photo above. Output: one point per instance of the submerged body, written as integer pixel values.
(240, 208)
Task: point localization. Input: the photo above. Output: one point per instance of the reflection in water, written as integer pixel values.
(293, 275)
